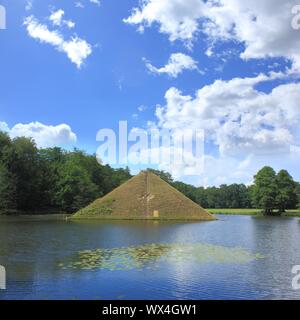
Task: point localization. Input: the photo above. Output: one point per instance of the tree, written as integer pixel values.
(24, 164)
(213, 199)
(237, 196)
(50, 162)
(187, 189)
(286, 194)
(166, 176)
(298, 194)
(7, 190)
(5, 144)
(201, 197)
(42, 180)
(120, 176)
(265, 190)
(75, 188)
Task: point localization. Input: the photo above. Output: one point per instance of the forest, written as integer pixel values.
(54, 180)
(270, 191)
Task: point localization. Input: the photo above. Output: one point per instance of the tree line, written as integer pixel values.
(271, 192)
(51, 180)
(34, 180)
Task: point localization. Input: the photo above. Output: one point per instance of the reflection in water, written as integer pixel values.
(150, 255)
(115, 259)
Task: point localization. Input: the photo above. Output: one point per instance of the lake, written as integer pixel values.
(236, 257)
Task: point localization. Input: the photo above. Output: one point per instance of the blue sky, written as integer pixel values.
(248, 123)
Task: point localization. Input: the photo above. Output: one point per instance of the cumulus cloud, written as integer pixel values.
(44, 135)
(77, 49)
(178, 62)
(247, 127)
(263, 27)
(42, 33)
(228, 170)
(237, 117)
(177, 18)
(57, 19)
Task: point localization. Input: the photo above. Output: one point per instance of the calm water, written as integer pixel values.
(237, 257)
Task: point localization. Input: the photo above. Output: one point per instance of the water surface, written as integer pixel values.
(236, 257)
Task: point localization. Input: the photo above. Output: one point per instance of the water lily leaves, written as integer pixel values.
(149, 256)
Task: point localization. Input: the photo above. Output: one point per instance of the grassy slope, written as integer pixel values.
(289, 213)
(145, 196)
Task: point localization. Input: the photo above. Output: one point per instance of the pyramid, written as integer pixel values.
(144, 197)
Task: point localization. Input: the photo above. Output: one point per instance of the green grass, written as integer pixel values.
(292, 213)
(251, 212)
(145, 197)
(235, 211)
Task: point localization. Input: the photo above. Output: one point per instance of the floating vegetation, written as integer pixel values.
(150, 255)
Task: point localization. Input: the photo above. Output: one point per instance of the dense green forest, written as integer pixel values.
(36, 180)
(51, 180)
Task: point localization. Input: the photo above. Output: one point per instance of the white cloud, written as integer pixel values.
(97, 2)
(4, 127)
(44, 135)
(178, 62)
(264, 27)
(177, 18)
(228, 170)
(29, 5)
(250, 128)
(238, 119)
(236, 116)
(142, 108)
(42, 33)
(79, 4)
(76, 48)
(57, 19)
(186, 164)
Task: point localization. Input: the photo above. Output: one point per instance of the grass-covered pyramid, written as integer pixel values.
(145, 196)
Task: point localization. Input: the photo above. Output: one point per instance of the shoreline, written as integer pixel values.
(51, 216)
(251, 212)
